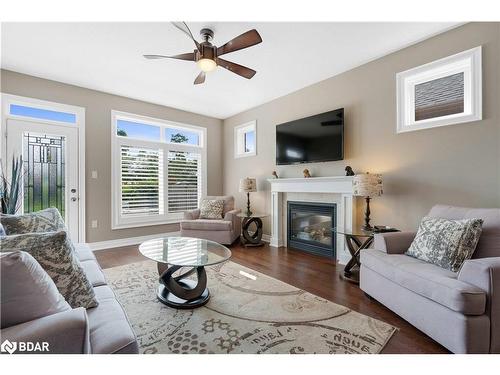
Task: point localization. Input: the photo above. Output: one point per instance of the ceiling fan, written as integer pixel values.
(206, 55)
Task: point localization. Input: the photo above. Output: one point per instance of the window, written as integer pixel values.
(158, 170)
(443, 92)
(245, 143)
(42, 114)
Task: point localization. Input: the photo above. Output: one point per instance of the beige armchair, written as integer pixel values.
(224, 230)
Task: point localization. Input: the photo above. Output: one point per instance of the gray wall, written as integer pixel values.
(458, 164)
(98, 106)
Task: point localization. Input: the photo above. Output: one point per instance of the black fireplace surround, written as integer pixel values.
(310, 227)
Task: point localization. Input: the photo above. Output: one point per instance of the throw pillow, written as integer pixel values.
(28, 292)
(47, 220)
(446, 243)
(55, 253)
(211, 209)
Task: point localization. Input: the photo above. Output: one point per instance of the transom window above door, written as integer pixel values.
(159, 169)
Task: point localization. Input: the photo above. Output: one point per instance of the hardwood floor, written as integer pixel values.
(317, 275)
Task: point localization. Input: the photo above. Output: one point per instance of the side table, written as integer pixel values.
(357, 240)
(251, 237)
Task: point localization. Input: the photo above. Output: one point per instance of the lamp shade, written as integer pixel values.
(248, 185)
(367, 185)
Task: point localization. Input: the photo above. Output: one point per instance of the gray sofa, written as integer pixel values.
(224, 231)
(104, 329)
(459, 310)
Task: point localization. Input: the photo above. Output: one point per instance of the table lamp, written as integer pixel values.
(248, 185)
(367, 185)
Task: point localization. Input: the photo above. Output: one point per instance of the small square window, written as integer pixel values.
(245, 140)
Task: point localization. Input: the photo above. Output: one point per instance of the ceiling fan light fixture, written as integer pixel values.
(206, 65)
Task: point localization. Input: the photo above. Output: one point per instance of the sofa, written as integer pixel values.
(459, 310)
(224, 230)
(104, 329)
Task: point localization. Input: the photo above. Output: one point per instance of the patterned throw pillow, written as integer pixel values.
(446, 243)
(55, 253)
(47, 220)
(211, 209)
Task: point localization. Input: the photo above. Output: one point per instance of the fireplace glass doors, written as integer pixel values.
(310, 227)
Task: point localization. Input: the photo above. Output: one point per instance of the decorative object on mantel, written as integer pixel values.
(349, 171)
(275, 175)
(367, 185)
(442, 92)
(306, 173)
(248, 185)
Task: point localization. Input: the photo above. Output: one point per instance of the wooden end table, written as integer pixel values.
(251, 238)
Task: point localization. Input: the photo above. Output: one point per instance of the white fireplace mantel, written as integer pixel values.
(339, 185)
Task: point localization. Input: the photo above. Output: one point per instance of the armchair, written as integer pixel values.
(225, 230)
(459, 310)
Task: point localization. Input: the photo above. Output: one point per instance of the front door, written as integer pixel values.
(50, 158)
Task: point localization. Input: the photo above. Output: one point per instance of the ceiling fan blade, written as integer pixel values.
(236, 68)
(183, 56)
(200, 79)
(248, 39)
(182, 26)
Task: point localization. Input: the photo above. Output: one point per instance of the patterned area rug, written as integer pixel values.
(248, 313)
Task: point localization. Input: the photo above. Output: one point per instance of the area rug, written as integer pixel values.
(248, 312)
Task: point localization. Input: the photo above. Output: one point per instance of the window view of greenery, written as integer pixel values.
(174, 135)
(183, 180)
(141, 184)
(137, 130)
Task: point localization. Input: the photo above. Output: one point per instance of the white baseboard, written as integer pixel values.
(101, 245)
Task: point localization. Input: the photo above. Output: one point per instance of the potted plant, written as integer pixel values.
(10, 189)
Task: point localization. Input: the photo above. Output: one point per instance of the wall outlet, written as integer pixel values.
(94, 224)
(94, 175)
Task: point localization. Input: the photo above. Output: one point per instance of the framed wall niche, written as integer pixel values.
(443, 92)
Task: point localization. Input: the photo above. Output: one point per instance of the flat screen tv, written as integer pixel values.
(312, 139)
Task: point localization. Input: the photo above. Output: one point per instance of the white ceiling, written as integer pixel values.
(108, 57)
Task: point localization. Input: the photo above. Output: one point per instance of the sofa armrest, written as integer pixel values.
(192, 214)
(484, 273)
(65, 332)
(393, 242)
(235, 219)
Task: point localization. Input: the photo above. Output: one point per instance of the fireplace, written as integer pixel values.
(310, 227)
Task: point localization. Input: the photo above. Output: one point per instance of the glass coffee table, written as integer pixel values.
(174, 253)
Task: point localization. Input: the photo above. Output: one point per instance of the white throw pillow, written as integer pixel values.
(27, 292)
(211, 209)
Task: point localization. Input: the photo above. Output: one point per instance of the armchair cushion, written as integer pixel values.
(206, 224)
(27, 291)
(393, 242)
(485, 274)
(427, 280)
(66, 332)
(192, 214)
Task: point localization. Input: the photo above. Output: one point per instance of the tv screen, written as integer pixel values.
(311, 139)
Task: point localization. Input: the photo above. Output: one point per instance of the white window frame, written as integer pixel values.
(466, 62)
(239, 139)
(79, 124)
(119, 222)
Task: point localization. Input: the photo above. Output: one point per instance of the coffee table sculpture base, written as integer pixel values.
(179, 291)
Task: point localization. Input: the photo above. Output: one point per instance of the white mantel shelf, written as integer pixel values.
(336, 184)
(339, 185)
